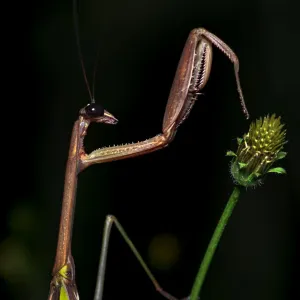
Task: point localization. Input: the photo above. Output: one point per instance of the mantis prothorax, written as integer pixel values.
(191, 77)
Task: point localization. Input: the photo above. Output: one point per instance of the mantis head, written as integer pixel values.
(94, 112)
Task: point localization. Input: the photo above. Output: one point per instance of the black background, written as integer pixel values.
(180, 190)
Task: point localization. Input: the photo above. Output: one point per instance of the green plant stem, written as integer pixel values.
(213, 244)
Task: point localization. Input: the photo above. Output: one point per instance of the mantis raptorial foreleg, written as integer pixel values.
(191, 76)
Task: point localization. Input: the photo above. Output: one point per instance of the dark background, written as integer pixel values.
(179, 191)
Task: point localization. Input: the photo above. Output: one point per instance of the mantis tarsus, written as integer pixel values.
(192, 74)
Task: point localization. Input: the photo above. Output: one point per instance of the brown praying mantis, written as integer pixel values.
(191, 77)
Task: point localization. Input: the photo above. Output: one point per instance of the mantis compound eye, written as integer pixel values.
(93, 110)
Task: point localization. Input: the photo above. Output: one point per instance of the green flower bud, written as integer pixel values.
(257, 151)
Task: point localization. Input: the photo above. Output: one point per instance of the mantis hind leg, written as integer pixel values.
(110, 220)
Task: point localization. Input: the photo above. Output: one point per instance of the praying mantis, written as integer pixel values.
(191, 77)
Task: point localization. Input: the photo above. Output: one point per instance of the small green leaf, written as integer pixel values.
(230, 153)
(242, 165)
(250, 178)
(277, 170)
(239, 140)
(281, 155)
